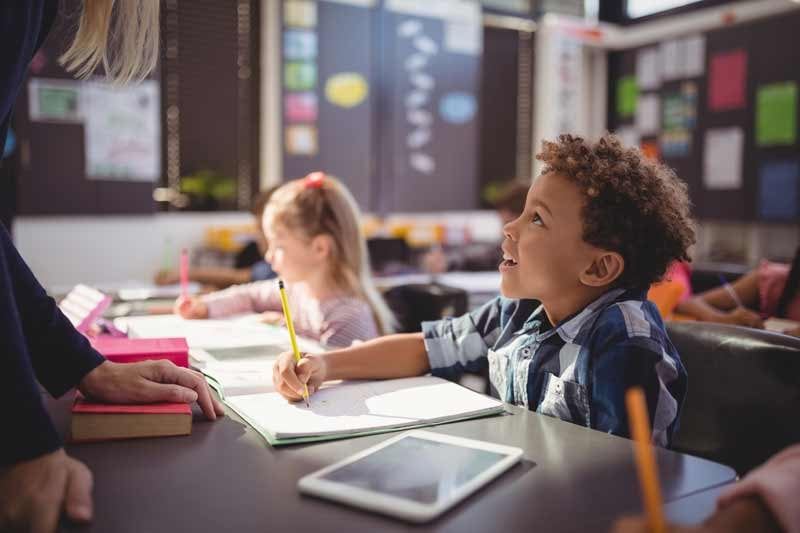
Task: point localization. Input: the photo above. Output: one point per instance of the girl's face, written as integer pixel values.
(291, 255)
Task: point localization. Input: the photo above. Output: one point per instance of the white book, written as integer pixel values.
(350, 408)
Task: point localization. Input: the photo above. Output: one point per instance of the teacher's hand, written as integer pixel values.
(148, 382)
(33, 493)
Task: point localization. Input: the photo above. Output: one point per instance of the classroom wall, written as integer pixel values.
(64, 251)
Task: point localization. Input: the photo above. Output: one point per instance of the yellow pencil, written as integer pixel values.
(645, 458)
(292, 336)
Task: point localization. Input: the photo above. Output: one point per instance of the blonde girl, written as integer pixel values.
(316, 247)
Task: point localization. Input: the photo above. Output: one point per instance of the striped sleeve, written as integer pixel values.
(349, 320)
(460, 344)
(254, 297)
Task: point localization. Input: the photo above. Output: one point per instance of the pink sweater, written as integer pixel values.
(335, 322)
(777, 483)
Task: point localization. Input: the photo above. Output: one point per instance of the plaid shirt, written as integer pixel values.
(577, 372)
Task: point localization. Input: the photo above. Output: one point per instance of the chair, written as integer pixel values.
(415, 303)
(743, 400)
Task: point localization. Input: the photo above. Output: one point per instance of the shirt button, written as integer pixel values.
(526, 351)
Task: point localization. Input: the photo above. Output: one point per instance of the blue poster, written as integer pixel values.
(778, 190)
(457, 107)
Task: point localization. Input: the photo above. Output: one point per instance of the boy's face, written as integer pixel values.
(544, 251)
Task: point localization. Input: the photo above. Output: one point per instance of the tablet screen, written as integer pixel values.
(420, 470)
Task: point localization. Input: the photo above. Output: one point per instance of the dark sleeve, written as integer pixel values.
(36, 342)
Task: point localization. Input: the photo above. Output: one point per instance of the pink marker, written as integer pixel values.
(184, 273)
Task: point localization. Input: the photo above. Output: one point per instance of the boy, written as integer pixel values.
(573, 329)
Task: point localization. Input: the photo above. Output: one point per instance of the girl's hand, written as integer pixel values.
(273, 318)
(742, 316)
(190, 307)
(289, 377)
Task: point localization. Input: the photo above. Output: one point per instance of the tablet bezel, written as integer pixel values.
(403, 508)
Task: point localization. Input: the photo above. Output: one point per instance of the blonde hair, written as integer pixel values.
(318, 205)
(122, 35)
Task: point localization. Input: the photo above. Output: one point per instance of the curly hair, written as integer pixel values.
(633, 205)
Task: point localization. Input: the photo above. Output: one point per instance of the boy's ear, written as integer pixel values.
(604, 270)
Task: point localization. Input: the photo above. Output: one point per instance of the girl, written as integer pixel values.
(316, 247)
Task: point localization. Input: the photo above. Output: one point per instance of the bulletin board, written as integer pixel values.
(721, 109)
(86, 148)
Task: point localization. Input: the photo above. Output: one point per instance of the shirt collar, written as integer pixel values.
(569, 329)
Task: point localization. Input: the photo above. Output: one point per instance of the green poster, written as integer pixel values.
(300, 76)
(627, 94)
(776, 114)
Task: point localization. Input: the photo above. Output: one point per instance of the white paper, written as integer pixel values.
(694, 62)
(648, 72)
(352, 407)
(722, 158)
(122, 131)
(671, 67)
(629, 136)
(217, 334)
(648, 114)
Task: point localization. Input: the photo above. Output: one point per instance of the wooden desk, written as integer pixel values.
(225, 478)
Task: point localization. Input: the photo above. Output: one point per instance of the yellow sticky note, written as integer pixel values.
(346, 89)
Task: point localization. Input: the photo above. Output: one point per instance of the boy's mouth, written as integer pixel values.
(508, 262)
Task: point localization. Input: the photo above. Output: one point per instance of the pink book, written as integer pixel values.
(127, 350)
(97, 421)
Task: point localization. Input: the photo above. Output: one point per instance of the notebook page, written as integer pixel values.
(352, 407)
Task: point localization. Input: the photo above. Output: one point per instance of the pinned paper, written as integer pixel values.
(416, 99)
(722, 158)
(457, 107)
(422, 81)
(299, 44)
(419, 117)
(647, 114)
(301, 140)
(627, 94)
(300, 107)
(650, 150)
(776, 114)
(300, 76)
(675, 143)
(54, 100)
(416, 61)
(418, 138)
(648, 74)
(346, 89)
(426, 45)
(726, 85)
(628, 136)
(300, 13)
(779, 190)
(695, 56)
(671, 60)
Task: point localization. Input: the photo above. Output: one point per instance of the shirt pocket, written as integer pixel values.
(498, 374)
(566, 400)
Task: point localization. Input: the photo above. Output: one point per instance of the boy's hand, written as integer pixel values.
(190, 307)
(289, 377)
(148, 382)
(743, 317)
(34, 493)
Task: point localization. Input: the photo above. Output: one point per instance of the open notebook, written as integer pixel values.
(355, 408)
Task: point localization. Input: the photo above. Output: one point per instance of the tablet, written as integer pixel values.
(415, 476)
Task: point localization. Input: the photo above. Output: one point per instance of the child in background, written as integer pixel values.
(573, 329)
(315, 244)
(249, 264)
(765, 501)
(768, 291)
(482, 256)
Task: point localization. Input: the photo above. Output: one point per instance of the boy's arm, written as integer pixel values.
(636, 361)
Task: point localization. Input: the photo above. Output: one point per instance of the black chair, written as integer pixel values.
(743, 401)
(415, 303)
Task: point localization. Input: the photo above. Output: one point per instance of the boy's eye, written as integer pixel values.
(537, 219)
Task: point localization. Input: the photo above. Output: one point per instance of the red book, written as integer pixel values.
(100, 421)
(127, 350)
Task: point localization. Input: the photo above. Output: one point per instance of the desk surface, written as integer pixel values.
(225, 478)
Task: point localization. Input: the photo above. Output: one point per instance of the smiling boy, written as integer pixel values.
(573, 329)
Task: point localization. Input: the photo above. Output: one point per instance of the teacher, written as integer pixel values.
(38, 480)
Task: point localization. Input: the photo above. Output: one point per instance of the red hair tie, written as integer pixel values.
(314, 180)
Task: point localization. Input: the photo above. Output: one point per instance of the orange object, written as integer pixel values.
(639, 424)
(666, 295)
